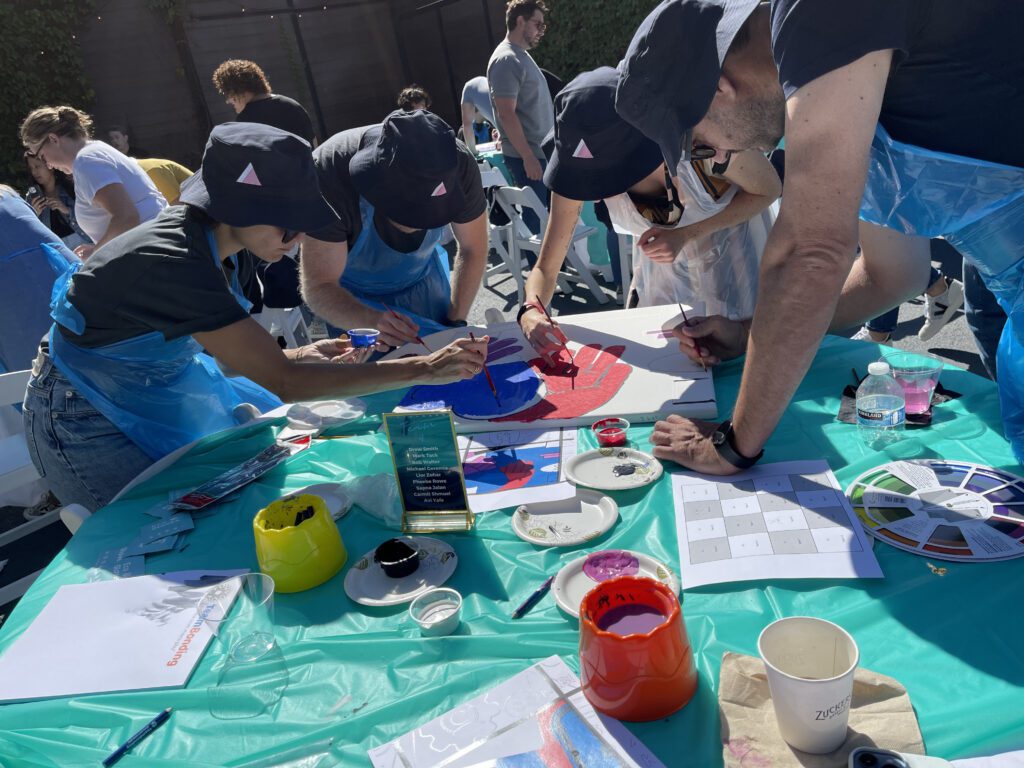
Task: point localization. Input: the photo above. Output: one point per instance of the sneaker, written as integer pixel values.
(940, 309)
(864, 334)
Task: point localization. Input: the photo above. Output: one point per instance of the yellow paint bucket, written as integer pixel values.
(297, 543)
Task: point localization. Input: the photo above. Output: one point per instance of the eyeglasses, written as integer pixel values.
(289, 235)
(34, 153)
(542, 26)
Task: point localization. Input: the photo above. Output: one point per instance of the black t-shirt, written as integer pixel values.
(280, 112)
(957, 79)
(332, 158)
(159, 276)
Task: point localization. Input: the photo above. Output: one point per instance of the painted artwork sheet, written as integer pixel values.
(536, 719)
(137, 633)
(788, 520)
(509, 468)
(625, 363)
(949, 510)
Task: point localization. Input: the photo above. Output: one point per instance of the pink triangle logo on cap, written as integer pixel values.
(439, 190)
(583, 151)
(249, 177)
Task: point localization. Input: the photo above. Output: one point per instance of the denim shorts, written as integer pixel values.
(81, 455)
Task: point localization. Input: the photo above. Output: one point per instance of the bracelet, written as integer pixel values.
(525, 308)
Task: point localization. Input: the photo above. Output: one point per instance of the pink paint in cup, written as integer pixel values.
(918, 374)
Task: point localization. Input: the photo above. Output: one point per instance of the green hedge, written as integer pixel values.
(40, 63)
(584, 34)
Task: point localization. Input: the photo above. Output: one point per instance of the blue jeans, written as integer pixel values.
(81, 455)
(984, 317)
(886, 323)
(517, 170)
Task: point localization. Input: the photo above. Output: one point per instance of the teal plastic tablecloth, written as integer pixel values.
(955, 641)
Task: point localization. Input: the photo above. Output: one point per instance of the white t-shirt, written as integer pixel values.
(98, 165)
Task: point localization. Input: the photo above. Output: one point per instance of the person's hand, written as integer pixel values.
(662, 245)
(688, 443)
(58, 206)
(532, 167)
(85, 250)
(38, 203)
(396, 329)
(544, 336)
(717, 337)
(462, 359)
(333, 351)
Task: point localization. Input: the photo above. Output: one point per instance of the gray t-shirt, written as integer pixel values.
(477, 93)
(513, 74)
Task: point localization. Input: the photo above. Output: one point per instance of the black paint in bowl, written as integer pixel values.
(396, 558)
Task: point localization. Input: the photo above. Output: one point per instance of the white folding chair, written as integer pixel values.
(16, 468)
(513, 201)
(498, 234)
(287, 323)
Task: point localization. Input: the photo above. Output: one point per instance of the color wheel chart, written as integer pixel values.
(950, 510)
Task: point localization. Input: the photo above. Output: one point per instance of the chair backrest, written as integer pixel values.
(514, 200)
(12, 387)
(491, 176)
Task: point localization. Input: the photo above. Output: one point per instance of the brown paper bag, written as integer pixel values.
(880, 715)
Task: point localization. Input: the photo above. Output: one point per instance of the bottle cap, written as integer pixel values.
(878, 368)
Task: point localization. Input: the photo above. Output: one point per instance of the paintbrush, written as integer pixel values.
(487, 373)
(545, 311)
(695, 343)
(419, 340)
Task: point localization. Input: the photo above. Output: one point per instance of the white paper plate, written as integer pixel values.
(366, 583)
(567, 522)
(572, 583)
(613, 469)
(320, 414)
(334, 495)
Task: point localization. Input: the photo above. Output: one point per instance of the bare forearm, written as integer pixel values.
(561, 224)
(337, 305)
(467, 277)
(743, 207)
(297, 381)
(514, 133)
(118, 226)
(796, 300)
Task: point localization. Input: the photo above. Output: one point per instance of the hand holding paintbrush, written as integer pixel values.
(487, 373)
(700, 353)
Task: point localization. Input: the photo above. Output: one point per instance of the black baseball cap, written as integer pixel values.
(596, 153)
(671, 70)
(257, 174)
(408, 169)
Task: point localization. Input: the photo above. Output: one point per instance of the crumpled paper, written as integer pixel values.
(881, 715)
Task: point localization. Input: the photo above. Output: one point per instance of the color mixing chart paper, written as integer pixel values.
(536, 718)
(624, 363)
(505, 469)
(788, 520)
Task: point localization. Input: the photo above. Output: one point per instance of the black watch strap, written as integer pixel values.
(724, 440)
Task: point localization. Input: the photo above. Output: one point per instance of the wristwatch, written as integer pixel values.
(724, 440)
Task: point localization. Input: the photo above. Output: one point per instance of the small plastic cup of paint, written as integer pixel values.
(437, 611)
(611, 432)
(363, 337)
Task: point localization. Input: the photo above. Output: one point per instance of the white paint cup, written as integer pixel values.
(810, 664)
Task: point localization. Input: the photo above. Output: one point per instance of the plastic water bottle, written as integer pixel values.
(881, 407)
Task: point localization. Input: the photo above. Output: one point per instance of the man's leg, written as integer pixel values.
(517, 171)
(984, 317)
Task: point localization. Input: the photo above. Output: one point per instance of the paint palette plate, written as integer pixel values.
(321, 414)
(948, 510)
(613, 469)
(334, 495)
(567, 522)
(367, 584)
(581, 575)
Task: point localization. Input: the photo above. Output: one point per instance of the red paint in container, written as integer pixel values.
(610, 433)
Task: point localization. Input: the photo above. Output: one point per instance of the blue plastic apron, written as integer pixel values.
(162, 394)
(978, 207)
(418, 282)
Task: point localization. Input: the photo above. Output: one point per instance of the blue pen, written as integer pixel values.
(143, 732)
(533, 599)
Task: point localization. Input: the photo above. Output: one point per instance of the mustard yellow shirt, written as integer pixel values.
(167, 175)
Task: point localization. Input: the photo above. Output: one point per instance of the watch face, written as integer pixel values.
(717, 437)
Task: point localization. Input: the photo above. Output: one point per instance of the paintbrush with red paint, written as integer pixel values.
(419, 341)
(487, 373)
(543, 309)
(696, 343)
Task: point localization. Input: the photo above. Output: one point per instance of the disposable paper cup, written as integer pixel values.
(363, 337)
(918, 374)
(810, 665)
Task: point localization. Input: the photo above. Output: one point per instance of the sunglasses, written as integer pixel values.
(289, 235)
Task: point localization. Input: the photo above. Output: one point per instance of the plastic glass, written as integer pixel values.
(611, 432)
(810, 664)
(363, 337)
(437, 612)
(917, 373)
